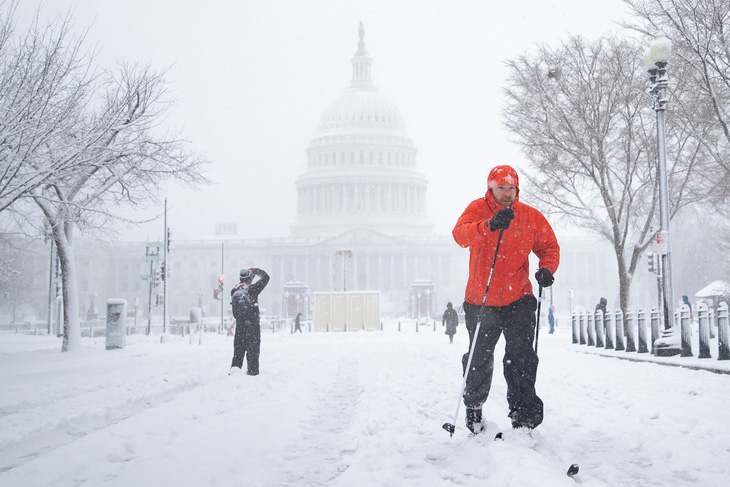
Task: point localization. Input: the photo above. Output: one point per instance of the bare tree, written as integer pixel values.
(119, 158)
(700, 34)
(96, 141)
(701, 61)
(43, 78)
(581, 115)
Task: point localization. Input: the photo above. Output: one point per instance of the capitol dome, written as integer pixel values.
(361, 166)
(358, 111)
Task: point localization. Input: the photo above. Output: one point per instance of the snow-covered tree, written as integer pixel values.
(43, 79)
(581, 115)
(700, 35)
(95, 143)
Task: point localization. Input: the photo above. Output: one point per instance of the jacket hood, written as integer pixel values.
(500, 175)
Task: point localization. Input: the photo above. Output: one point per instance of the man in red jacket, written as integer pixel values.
(510, 304)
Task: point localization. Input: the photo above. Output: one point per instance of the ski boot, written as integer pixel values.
(474, 420)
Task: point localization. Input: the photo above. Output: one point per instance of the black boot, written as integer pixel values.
(522, 420)
(474, 420)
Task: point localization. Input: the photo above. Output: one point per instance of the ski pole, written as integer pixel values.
(450, 426)
(537, 326)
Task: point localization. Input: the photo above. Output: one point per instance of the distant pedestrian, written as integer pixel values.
(450, 321)
(601, 306)
(297, 323)
(245, 304)
(230, 325)
(685, 300)
(551, 320)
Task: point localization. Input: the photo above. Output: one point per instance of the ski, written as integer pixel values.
(573, 469)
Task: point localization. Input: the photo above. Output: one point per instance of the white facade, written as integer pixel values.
(361, 166)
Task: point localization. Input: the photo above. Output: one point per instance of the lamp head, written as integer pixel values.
(660, 49)
(648, 62)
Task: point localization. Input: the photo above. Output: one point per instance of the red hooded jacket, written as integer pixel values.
(528, 232)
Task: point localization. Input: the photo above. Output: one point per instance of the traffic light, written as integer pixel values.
(216, 293)
(220, 282)
(162, 270)
(168, 239)
(156, 278)
(652, 263)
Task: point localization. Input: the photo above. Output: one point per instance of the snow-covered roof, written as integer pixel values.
(715, 288)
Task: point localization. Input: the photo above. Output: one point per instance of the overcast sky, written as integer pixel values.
(251, 79)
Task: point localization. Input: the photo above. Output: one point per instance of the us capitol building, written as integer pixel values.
(361, 225)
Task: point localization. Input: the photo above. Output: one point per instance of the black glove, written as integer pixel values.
(544, 277)
(501, 220)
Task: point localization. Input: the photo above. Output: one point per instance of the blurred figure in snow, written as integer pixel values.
(450, 321)
(551, 320)
(297, 323)
(685, 300)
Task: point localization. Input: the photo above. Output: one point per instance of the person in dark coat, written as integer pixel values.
(450, 321)
(297, 323)
(247, 340)
(601, 306)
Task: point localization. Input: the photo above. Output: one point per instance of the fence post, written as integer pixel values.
(630, 340)
(575, 328)
(654, 317)
(686, 329)
(620, 333)
(581, 316)
(641, 325)
(610, 328)
(434, 326)
(723, 340)
(598, 320)
(590, 330)
(703, 317)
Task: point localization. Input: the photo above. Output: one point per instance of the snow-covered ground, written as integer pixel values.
(346, 409)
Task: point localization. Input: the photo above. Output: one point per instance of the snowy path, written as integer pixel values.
(357, 409)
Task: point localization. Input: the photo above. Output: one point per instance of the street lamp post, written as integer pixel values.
(346, 254)
(655, 60)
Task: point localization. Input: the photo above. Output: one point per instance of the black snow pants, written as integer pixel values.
(247, 342)
(517, 321)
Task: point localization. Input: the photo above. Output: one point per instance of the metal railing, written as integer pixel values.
(620, 332)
